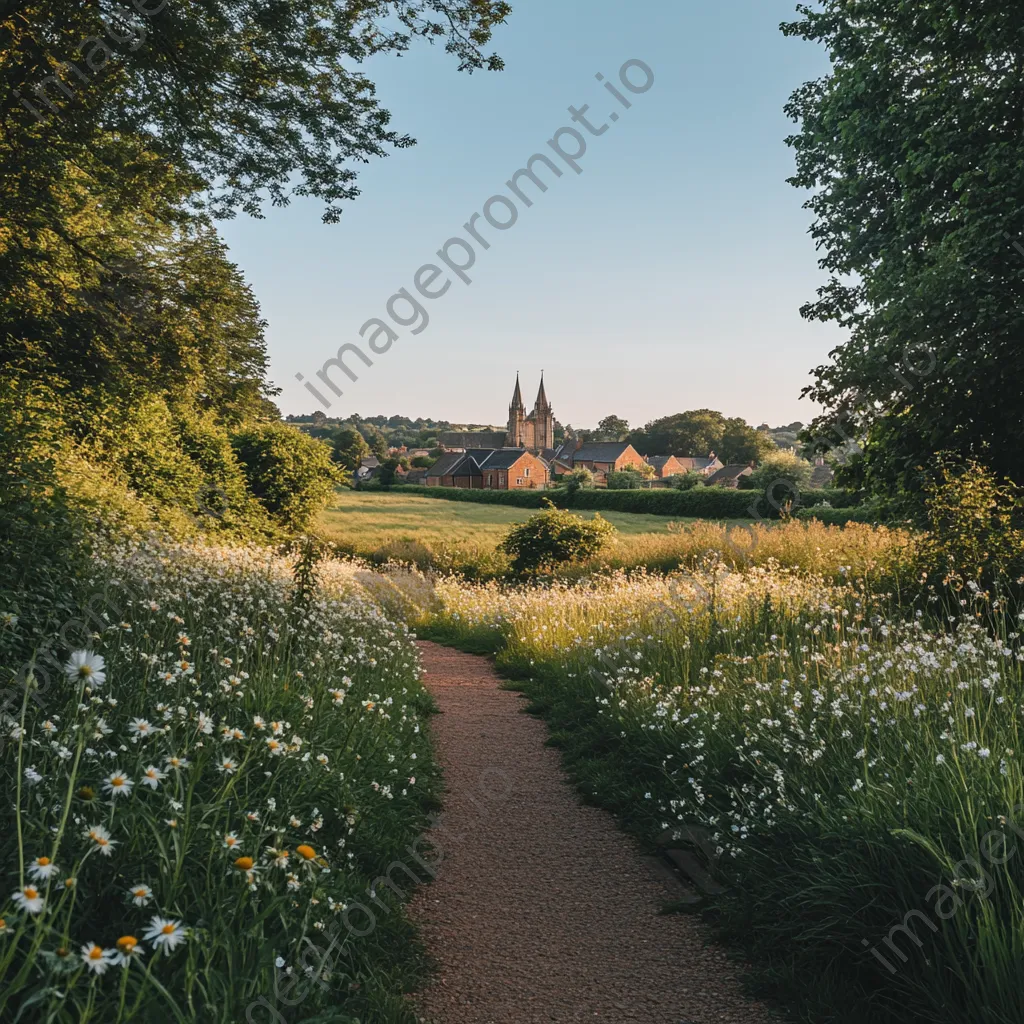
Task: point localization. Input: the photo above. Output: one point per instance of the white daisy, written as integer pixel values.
(227, 766)
(101, 837)
(140, 728)
(128, 949)
(84, 665)
(96, 958)
(118, 784)
(28, 899)
(152, 777)
(165, 934)
(140, 894)
(41, 868)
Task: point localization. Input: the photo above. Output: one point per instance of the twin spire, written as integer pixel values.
(536, 430)
(542, 398)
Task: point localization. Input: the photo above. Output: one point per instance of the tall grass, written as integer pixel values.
(858, 770)
(204, 772)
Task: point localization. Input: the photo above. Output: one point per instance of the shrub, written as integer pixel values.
(782, 475)
(552, 538)
(291, 474)
(627, 480)
(973, 522)
(686, 481)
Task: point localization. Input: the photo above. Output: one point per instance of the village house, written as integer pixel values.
(498, 469)
(729, 476)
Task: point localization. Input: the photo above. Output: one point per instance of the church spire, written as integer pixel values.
(542, 398)
(517, 397)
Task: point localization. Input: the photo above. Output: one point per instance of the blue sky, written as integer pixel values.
(668, 275)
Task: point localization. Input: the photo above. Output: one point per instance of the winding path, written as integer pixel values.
(541, 909)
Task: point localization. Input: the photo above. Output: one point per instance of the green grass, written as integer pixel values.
(367, 520)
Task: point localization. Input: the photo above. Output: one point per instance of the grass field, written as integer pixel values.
(369, 520)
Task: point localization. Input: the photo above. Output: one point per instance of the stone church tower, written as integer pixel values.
(536, 430)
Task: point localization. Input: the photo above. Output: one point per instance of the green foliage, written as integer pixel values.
(611, 428)
(783, 470)
(917, 211)
(702, 502)
(575, 480)
(686, 481)
(389, 471)
(291, 475)
(700, 432)
(553, 538)
(974, 521)
(250, 128)
(350, 448)
(627, 480)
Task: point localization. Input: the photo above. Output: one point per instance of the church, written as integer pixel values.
(534, 431)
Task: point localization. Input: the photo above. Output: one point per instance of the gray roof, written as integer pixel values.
(370, 462)
(472, 439)
(497, 458)
(601, 451)
(445, 464)
(729, 474)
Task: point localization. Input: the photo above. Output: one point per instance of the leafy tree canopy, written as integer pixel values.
(258, 99)
(912, 149)
(700, 432)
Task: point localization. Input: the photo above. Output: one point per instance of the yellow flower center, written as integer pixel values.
(127, 943)
(306, 852)
(43, 861)
(30, 893)
(244, 863)
(117, 780)
(168, 929)
(95, 953)
(141, 892)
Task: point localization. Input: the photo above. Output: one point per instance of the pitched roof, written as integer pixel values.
(446, 464)
(729, 474)
(657, 461)
(499, 458)
(601, 451)
(370, 462)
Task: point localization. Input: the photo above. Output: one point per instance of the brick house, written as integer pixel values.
(673, 465)
(607, 457)
(495, 469)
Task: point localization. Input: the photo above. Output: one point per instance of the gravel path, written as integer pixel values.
(541, 909)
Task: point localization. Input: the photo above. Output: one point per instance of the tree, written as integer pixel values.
(611, 428)
(576, 479)
(292, 475)
(700, 432)
(554, 537)
(740, 442)
(375, 439)
(911, 148)
(269, 103)
(784, 468)
(389, 471)
(349, 448)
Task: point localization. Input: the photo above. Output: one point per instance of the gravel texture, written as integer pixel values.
(541, 909)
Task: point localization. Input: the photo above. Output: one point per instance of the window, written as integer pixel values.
(527, 473)
(519, 481)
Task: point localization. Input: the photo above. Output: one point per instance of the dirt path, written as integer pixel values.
(541, 909)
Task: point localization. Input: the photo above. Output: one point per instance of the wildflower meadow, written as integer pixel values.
(205, 771)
